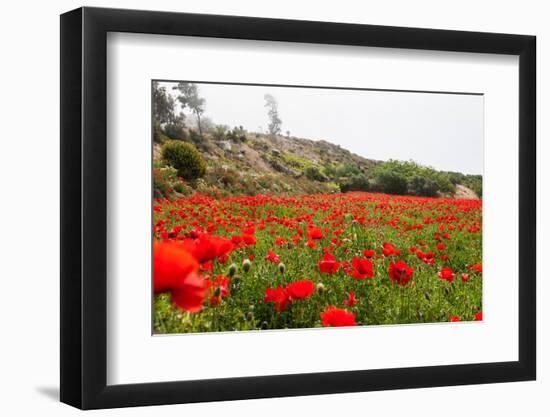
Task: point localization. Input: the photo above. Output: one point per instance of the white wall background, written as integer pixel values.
(29, 160)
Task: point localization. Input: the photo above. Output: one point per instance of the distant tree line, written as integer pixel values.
(397, 177)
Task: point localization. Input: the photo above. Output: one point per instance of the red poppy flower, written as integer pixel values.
(446, 274)
(279, 296)
(478, 316)
(218, 288)
(175, 271)
(206, 248)
(337, 317)
(249, 240)
(280, 241)
(250, 230)
(273, 257)
(362, 268)
(311, 244)
(454, 318)
(315, 233)
(329, 264)
(351, 300)
(190, 296)
(207, 266)
(369, 253)
(300, 289)
(476, 267)
(172, 264)
(400, 272)
(426, 257)
(440, 246)
(389, 249)
(465, 277)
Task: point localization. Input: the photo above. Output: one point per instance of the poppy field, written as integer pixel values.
(261, 262)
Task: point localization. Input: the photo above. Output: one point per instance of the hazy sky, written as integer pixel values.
(444, 131)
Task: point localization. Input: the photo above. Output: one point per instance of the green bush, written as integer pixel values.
(195, 136)
(238, 134)
(314, 173)
(160, 137)
(174, 131)
(475, 183)
(358, 182)
(218, 132)
(398, 177)
(163, 179)
(422, 186)
(185, 158)
(391, 182)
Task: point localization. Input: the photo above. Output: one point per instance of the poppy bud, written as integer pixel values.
(282, 268)
(217, 292)
(246, 265)
(320, 287)
(250, 316)
(232, 269)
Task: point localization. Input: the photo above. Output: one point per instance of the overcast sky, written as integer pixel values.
(444, 131)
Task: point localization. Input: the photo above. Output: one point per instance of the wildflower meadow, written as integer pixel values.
(265, 262)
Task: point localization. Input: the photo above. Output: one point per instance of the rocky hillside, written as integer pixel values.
(240, 162)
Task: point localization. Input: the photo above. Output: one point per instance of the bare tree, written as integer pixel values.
(275, 121)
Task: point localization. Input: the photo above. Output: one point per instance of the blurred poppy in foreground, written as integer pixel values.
(175, 271)
(337, 317)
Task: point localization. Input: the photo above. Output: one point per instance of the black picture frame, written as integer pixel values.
(84, 207)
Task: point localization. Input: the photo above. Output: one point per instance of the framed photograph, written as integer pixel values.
(256, 208)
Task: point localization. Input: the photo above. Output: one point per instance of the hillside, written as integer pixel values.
(239, 162)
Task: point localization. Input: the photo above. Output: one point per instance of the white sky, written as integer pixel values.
(444, 131)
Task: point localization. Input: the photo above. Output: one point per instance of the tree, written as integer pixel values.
(275, 121)
(358, 182)
(189, 97)
(163, 106)
(391, 182)
(422, 186)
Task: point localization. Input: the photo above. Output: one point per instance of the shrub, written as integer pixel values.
(314, 173)
(228, 177)
(185, 158)
(332, 187)
(175, 131)
(238, 134)
(397, 177)
(195, 136)
(160, 137)
(391, 182)
(475, 183)
(219, 131)
(179, 187)
(358, 182)
(162, 180)
(422, 186)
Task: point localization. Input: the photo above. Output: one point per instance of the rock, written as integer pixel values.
(225, 145)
